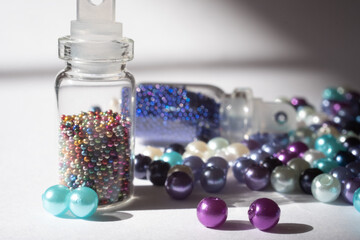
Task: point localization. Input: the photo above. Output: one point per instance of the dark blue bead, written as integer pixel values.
(157, 172)
(141, 164)
(213, 179)
(351, 142)
(176, 147)
(307, 177)
(354, 167)
(196, 165)
(343, 158)
(240, 166)
(95, 109)
(257, 177)
(271, 163)
(342, 173)
(179, 185)
(218, 162)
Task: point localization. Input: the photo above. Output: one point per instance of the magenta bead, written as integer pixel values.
(264, 213)
(212, 212)
(285, 155)
(298, 147)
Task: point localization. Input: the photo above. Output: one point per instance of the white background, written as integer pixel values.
(290, 48)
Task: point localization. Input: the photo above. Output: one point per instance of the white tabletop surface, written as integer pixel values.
(28, 164)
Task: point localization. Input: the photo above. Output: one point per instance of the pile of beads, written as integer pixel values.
(95, 152)
(82, 202)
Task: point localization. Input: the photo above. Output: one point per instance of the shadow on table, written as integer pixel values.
(290, 228)
(234, 194)
(100, 217)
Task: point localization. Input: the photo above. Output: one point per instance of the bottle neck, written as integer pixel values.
(95, 69)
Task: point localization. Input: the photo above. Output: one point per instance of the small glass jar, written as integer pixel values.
(95, 100)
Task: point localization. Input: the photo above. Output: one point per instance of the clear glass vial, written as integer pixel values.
(95, 97)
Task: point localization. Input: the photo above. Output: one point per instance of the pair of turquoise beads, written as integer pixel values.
(82, 202)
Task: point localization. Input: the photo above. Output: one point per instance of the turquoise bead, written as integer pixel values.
(356, 200)
(54, 199)
(325, 188)
(325, 164)
(328, 145)
(333, 94)
(83, 202)
(173, 158)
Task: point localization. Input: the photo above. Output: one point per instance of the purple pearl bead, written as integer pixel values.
(240, 167)
(354, 167)
(264, 213)
(179, 185)
(298, 102)
(299, 148)
(285, 156)
(257, 177)
(251, 144)
(348, 188)
(212, 212)
(342, 173)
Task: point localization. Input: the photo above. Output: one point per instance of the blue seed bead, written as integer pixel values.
(173, 158)
(325, 188)
(54, 199)
(356, 200)
(83, 202)
(325, 164)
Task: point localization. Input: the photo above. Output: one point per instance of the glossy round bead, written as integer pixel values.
(264, 214)
(316, 119)
(213, 179)
(190, 154)
(240, 166)
(351, 142)
(271, 163)
(141, 163)
(332, 94)
(83, 202)
(54, 199)
(196, 146)
(196, 165)
(175, 147)
(321, 143)
(303, 134)
(356, 199)
(343, 158)
(307, 177)
(212, 212)
(238, 149)
(257, 177)
(325, 188)
(342, 173)
(218, 162)
(284, 179)
(157, 172)
(297, 102)
(312, 155)
(258, 155)
(173, 158)
(354, 167)
(152, 152)
(326, 129)
(271, 147)
(285, 155)
(298, 164)
(303, 112)
(355, 151)
(299, 148)
(325, 164)
(218, 143)
(181, 168)
(349, 188)
(179, 185)
(251, 144)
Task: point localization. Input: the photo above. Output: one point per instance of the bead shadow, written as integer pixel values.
(290, 228)
(109, 217)
(235, 225)
(234, 194)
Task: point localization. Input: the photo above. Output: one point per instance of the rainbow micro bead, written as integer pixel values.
(95, 152)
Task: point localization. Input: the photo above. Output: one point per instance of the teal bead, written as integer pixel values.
(173, 158)
(325, 188)
(356, 200)
(333, 94)
(325, 164)
(83, 202)
(328, 145)
(54, 199)
(218, 143)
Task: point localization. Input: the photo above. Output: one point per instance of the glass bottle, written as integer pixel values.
(170, 112)
(95, 99)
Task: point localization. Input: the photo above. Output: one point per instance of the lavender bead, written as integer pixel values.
(342, 174)
(348, 188)
(257, 177)
(212, 212)
(179, 185)
(299, 148)
(258, 155)
(196, 165)
(240, 167)
(264, 214)
(285, 155)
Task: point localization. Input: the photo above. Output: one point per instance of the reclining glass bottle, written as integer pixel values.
(95, 97)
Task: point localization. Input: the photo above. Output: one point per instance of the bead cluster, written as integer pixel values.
(95, 152)
(161, 108)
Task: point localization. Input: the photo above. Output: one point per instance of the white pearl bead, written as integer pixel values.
(316, 118)
(299, 165)
(312, 155)
(189, 154)
(303, 113)
(152, 152)
(218, 143)
(325, 129)
(197, 146)
(284, 179)
(237, 150)
(325, 188)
